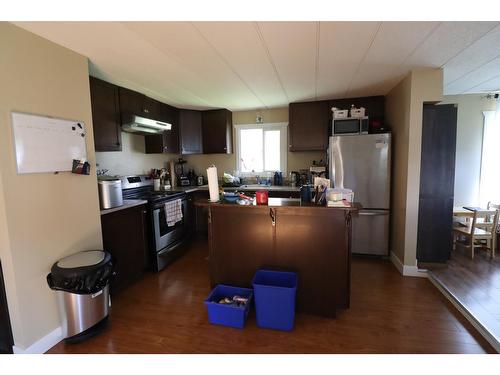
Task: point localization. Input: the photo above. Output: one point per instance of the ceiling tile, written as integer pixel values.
(449, 39)
(479, 53)
(393, 44)
(292, 46)
(241, 46)
(340, 54)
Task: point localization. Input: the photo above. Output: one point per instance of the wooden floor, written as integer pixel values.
(164, 313)
(475, 285)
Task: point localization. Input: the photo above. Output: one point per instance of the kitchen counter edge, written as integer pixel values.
(127, 203)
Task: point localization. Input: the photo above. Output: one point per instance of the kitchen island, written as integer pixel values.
(311, 240)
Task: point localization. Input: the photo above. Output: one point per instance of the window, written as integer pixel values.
(490, 177)
(261, 148)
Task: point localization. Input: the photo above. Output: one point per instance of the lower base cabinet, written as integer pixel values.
(124, 236)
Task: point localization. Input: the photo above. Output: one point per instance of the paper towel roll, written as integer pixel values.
(213, 183)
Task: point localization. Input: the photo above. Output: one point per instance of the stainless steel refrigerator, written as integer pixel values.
(362, 163)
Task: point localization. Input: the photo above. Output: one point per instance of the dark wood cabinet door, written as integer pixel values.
(325, 263)
(6, 340)
(168, 141)
(190, 128)
(131, 102)
(151, 108)
(243, 239)
(308, 126)
(437, 180)
(124, 236)
(170, 138)
(105, 115)
(217, 131)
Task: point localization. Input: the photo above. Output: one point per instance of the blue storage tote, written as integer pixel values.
(275, 299)
(228, 315)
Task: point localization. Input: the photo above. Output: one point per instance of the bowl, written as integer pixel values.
(230, 196)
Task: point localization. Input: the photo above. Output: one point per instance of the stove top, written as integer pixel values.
(147, 193)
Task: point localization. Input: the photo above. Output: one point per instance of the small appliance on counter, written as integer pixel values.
(200, 180)
(110, 192)
(278, 178)
(294, 178)
(182, 179)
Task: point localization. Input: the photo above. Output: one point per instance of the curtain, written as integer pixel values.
(489, 188)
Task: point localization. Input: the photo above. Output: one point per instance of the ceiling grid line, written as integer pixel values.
(477, 67)
(177, 61)
(473, 70)
(316, 67)
(363, 59)
(470, 44)
(429, 34)
(228, 65)
(269, 56)
(480, 84)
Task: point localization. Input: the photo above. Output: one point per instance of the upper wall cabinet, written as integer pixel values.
(139, 104)
(105, 115)
(217, 129)
(308, 126)
(191, 140)
(169, 140)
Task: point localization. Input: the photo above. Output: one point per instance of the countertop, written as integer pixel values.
(279, 202)
(127, 203)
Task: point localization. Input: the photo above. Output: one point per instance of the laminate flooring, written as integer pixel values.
(164, 313)
(475, 285)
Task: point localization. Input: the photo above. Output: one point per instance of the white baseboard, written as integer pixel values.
(42, 345)
(412, 271)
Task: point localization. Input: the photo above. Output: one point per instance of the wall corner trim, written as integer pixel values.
(412, 271)
(42, 345)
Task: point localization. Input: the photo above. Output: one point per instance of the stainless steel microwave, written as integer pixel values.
(350, 125)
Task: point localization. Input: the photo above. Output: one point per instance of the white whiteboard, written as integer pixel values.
(47, 144)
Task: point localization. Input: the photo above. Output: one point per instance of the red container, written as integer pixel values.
(261, 196)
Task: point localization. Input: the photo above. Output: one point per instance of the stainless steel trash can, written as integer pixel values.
(81, 282)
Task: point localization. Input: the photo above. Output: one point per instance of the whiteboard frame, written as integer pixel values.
(13, 125)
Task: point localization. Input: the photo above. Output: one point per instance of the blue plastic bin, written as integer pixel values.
(275, 299)
(227, 315)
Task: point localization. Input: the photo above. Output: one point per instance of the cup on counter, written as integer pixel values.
(156, 184)
(261, 196)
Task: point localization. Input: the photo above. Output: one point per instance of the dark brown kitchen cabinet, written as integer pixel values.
(308, 126)
(168, 141)
(139, 104)
(124, 236)
(217, 130)
(190, 129)
(105, 115)
(312, 241)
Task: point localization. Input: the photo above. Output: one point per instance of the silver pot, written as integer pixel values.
(110, 193)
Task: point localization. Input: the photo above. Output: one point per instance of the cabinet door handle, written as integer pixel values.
(273, 216)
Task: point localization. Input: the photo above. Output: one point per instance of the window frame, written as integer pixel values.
(282, 127)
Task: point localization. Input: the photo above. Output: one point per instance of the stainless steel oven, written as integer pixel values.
(164, 235)
(165, 243)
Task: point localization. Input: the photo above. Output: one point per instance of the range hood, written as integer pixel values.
(142, 125)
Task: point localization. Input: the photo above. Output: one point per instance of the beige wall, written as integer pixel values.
(133, 160)
(470, 122)
(404, 107)
(43, 217)
(398, 117)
